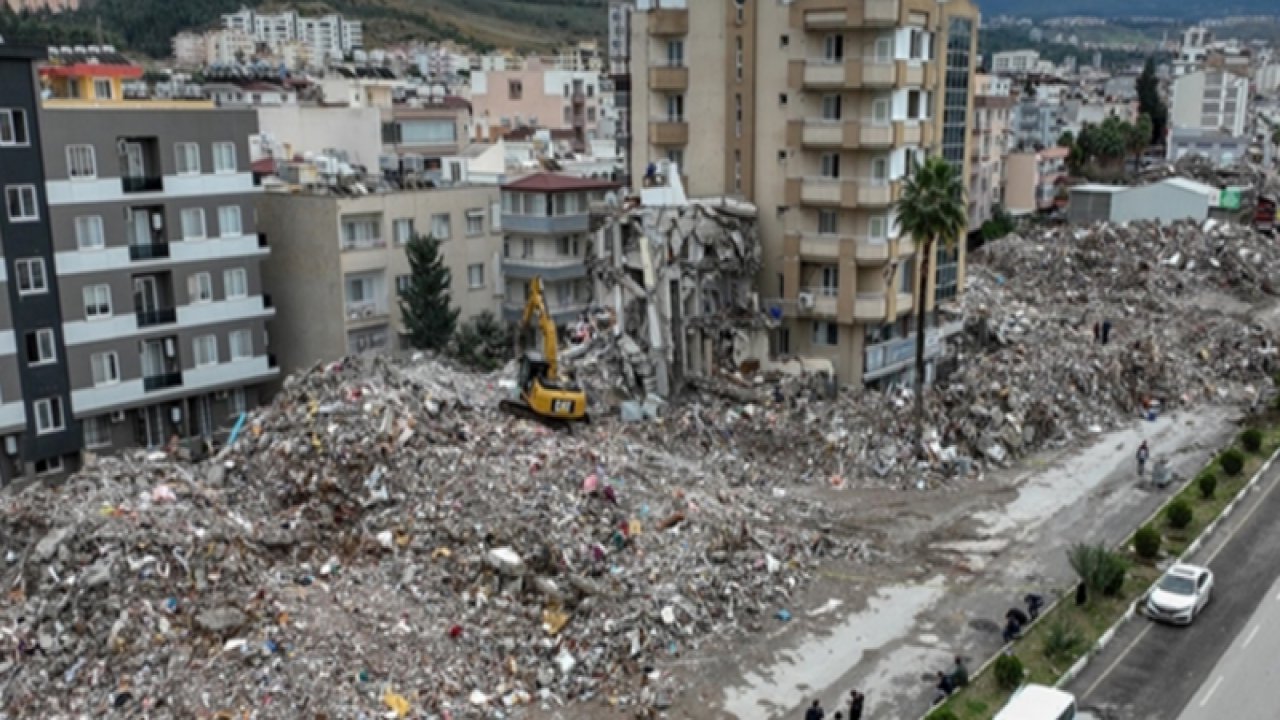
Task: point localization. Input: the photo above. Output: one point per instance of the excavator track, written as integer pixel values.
(520, 410)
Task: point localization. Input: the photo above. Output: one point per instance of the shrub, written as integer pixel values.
(1061, 640)
(1008, 672)
(943, 714)
(1179, 514)
(1146, 542)
(1208, 485)
(1251, 439)
(1101, 570)
(1232, 461)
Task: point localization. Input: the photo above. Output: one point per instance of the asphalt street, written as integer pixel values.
(1153, 672)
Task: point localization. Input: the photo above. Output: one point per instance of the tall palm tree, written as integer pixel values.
(932, 208)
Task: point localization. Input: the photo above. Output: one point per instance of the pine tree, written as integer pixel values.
(1150, 104)
(425, 302)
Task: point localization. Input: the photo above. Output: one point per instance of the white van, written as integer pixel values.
(1039, 702)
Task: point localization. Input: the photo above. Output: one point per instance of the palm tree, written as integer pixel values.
(932, 208)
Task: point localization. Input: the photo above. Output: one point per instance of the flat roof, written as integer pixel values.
(23, 52)
(1192, 185)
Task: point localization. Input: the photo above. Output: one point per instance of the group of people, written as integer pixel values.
(856, 701)
(952, 681)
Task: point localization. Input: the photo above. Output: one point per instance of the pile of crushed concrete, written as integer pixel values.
(381, 538)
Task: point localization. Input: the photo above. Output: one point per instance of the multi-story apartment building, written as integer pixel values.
(620, 78)
(135, 265)
(1034, 181)
(1015, 62)
(328, 36)
(546, 221)
(537, 96)
(992, 105)
(815, 111)
(338, 263)
(1212, 99)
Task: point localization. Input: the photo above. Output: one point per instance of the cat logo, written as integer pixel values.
(562, 407)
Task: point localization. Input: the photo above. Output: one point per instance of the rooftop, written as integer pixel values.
(553, 182)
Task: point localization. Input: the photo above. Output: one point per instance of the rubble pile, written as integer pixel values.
(381, 541)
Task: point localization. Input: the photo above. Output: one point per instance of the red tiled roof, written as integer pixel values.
(554, 182)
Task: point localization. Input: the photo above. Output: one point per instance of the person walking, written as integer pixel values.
(815, 712)
(944, 688)
(1144, 453)
(959, 673)
(856, 701)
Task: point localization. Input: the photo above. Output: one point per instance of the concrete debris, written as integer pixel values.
(382, 533)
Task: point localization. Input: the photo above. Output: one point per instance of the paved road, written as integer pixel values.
(1152, 671)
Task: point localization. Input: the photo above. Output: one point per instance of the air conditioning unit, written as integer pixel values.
(117, 416)
(807, 300)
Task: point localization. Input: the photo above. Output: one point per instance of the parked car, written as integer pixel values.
(1181, 594)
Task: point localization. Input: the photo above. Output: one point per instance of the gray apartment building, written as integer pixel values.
(136, 298)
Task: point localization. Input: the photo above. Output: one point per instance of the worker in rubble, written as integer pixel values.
(1144, 453)
(815, 711)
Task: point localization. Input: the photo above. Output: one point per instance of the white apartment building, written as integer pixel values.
(1015, 61)
(1211, 99)
(326, 36)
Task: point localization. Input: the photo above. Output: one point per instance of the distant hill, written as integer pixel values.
(1179, 9)
(146, 26)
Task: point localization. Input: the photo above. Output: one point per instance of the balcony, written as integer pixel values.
(849, 73)
(546, 224)
(669, 22)
(152, 383)
(870, 307)
(839, 192)
(820, 247)
(850, 134)
(160, 316)
(905, 302)
(560, 313)
(871, 251)
(911, 73)
(142, 184)
(150, 251)
(909, 132)
(366, 310)
(666, 78)
(549, 269)
(363, 243)
(838, 14)
(889, 357)
(668, 132)
(818, 301)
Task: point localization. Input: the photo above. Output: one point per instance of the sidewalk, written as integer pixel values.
(887, 649)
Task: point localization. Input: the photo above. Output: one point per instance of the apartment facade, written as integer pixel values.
(991, 115)
(1033, 181)
(546, 221)
(338, 264)
(1211, 99)
(137, 293)
(330, 36)
(536, 96)
(815, 111)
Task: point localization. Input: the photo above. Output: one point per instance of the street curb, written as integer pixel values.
(1107, 636)
(1110, 633)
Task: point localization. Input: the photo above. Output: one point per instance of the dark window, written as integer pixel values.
(956, 98)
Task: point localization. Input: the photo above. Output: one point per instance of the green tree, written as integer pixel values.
(1150, 103)
(1139, 138)
(931, 209)
(425, 302)
(483, 342)
(1067, 139)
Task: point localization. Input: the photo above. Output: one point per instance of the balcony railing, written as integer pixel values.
(160, 316)
(150, 251)
(365, 310)
(142, 184)
(363, 244)
(151, 383)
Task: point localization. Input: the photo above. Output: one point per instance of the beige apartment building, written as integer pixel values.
(816, 111)
(339, 261)
(992, 106)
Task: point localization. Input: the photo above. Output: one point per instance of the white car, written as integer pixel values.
(1181, 594)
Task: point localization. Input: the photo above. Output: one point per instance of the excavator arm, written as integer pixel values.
(537, 304)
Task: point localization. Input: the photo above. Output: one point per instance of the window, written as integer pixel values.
(89, 233)
(48, 415)
(31, 277)
(235, 283)
(565, 246)
(880, 169)
(102, 89)
(737, 171)
(784, 41)
(21, 203)
(676, 157)
(737, 115)
(919, 44)
(361, 232)
(828, 222)
(475, 275)
(200, 288)
(193, 224)
(946, 281)
(526, 248)
(878, 227)
(106, 368)
(205, 348)
(224, 157)
(241, 344)
(97, 302)
(229, 221)
(97, 432)
(833, 48)
(782, 99)
(48, 466)
(238, 404)
(440, 226)
(830, 281)
(675, 53)
(515, 90)
(906, 276)
(13, 127)
(880, 112)
(831, 165)
(825, 333)
(188, 158)
(403, 283)
(402, 230)
(738, 57)
(475, 222)
(831, 106)
(81, 162)
(884, 50)
(675, 108)
(915, 109)
(41, 347)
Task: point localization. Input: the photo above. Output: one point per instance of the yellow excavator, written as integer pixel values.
(544, 395)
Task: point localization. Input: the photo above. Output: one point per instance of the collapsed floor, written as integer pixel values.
(381, 538)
